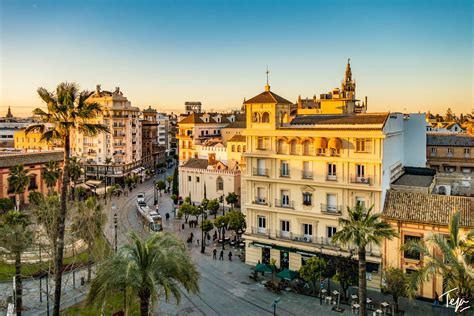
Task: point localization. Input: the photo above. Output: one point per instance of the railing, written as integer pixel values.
(263, 172)
(285, 173)
(284, 234)
(307, 175)
(89, 144)
(361, 179)
(119, 144)
(119, 135)
(331, 209)
(260, 231)
(303, 238)
(331, 177)
(280, 203)
(260, 201)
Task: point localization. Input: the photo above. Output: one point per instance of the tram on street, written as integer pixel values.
(150, 219)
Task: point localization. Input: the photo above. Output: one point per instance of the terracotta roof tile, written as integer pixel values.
(268, 97)
(33, 158)
(449, 139)
(427, 208)
(358, 119)
(196, 163)
(237, 138)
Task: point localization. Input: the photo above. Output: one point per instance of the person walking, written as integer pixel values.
(436, 299)
(214, 254)
(221, 255)
(230, 255)
(197, 242)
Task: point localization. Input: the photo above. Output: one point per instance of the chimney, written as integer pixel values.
(366, 102)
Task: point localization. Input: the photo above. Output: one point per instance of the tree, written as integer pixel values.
(196, 211)
(129, 182)
(346, 273)
(236, 221)
(362, 228)
(75, 173)
(169, 179)
(175, 182)
(185, 210)
(174, 197)
(6, 205)
(87, 224)
(144, 269)
(312, 271)
(160, 185)
(231, 199)
(18, 180)
(397, 283)
(206, 226)
(213, 206)
(437, 250)
(221, 224)
(114, 190)
(68, 110)
(51, 173)
(15, 237)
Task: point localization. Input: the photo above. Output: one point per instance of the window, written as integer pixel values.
(265, 117)
(261, 196)
(239, 148)
(189, 178)
(330, 231)
(308, 230)
(261, 170)
(262, 224)
(284, 170)
(360, 171)
(321, 151)
(307, 198)
(467, 152)
(415, 255)
(282, 146)
(260, 143)
(307, 148)
(450, 152)
(285, 228)
(331, 171)
(307, 172)
(220, 184)
(284, 260)
(360, 201)
(256, 117)
(293, 149)
(362, 145)
(434, 151)
(285, 198)
(244, 148)
(197, 179)
(233, 148)
(331, 200)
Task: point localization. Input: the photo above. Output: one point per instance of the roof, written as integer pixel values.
(196, 163)
(237, 138)
(449, 139)
(427, 208)
(268, 97)
(414, 180)
(32, 158)
(197, 118)
(238, 124)
(356, 119)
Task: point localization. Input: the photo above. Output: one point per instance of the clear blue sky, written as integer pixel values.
(413, 55)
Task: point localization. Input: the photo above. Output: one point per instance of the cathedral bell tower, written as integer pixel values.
(348, 85)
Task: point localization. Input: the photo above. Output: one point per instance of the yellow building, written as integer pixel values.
(236, 147)
(415, 216)
(30, 141)
(304, 172)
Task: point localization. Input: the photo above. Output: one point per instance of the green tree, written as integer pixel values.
(213, 206)
(15, 238)
(18, 180)
(221, 224)
(87, 224)
(397, 283)
(232, 199)
(114, 190)
(75, 173)
(185, 210)
(361, 229)
(206, 226)
(346, 273)
(169, 179)
(449, 256)
(312, 271)
(68, 110)
(236, 221)
(51, 173)
(175, 182)
(129, 182)
(6, 205)
(144, 269)
(160, 186)
(174, 197)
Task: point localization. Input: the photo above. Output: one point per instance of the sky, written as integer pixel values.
(406, 55)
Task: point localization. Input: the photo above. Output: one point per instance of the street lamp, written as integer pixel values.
(223, 235)
(115, 225)
(221, 200)
(201, 211)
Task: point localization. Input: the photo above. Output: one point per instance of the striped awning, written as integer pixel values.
(335, 143)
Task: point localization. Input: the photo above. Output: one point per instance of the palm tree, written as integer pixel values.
(16, 238)
(169, 179)
(18, 180)
(75, 172)
(160, 186)
(362, 229)
(450, 257)
(69, 111)
(145, 268)
(108, 161)
(87, 224)
(51, 173)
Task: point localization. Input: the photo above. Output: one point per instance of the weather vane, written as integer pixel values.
(267, 72)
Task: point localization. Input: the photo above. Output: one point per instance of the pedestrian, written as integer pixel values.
(221, 255)
(182, 226)
(214, 253)
(197, 242)
(436, 299)
(230, 255)
(214, 237)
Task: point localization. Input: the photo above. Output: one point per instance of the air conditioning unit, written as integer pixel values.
(363, 180)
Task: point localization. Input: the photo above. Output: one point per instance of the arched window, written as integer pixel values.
(282, 146)
(233, 148)
(293, 150)
(239, 148)
(220, 184)
(244, 148)
(265, 117)
(307, 148)
(256, 117)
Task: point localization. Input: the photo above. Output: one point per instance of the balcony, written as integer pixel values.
(261, 231)
(284, 204)
(119, 144)
(331, 177)
(262, 172)
(284, 173)
(284, 234)
(260, 201)
(331, 209)
(307, 175)
(303, 238)
(119, 135)
(361, 179)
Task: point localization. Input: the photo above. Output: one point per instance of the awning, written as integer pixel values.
(93, 183)
(321, 142)
(261, 267)
(287, 274)
(335, 143)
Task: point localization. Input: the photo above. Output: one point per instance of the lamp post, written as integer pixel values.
(115, 226)
(221, 200)
(154, 192)
(223, 236)
(201, 211)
